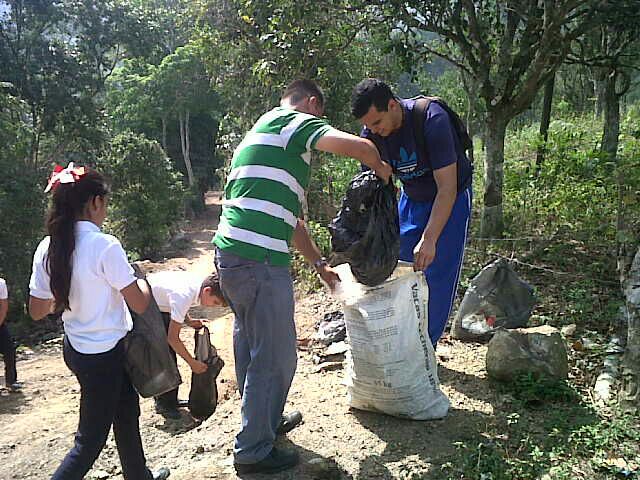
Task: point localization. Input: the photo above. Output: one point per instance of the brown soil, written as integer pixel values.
(37, 425)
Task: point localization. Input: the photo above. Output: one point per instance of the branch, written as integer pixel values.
(474, 27)
(449, 59)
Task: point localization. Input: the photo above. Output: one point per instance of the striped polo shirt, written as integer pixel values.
(265, 188)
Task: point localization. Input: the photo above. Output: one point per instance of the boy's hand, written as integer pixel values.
(384, 171)
(423, 254)
(198, 367)
(194, 323)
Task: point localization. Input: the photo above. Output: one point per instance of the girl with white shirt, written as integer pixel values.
(85, 274)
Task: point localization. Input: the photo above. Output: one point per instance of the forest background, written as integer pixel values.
(157, 93)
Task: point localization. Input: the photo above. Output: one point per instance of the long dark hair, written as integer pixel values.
(67, 205)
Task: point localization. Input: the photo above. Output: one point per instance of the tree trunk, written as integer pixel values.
(630, 392)
(545, 119)
(35, 136)
(183, 119)
(471, 94)
(599, 84)
(470, 113)
(611, 129)
(164, 134)
(492, 223)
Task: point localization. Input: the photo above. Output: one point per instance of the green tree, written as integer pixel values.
(22, 199)
(57, 55)
(148, 196)
(507, 49)
(176, 94)
(181, 88)
(254, 49)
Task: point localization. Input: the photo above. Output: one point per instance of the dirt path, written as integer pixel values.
(37, 425)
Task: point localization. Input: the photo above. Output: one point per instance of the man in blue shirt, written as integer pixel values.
(435, 202)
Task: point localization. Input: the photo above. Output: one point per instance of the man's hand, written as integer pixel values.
(384, 171)
(423, 254)
(329, 276)
(197, 366)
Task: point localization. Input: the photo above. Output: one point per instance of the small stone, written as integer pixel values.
(200, 449)
(322, 468)
(328, 366)
(568, 330)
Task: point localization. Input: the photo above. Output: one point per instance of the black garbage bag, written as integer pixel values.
(203, 398)
(496, 298)
(366, 231)
(149, 362)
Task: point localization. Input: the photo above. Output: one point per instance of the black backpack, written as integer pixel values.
(419, 112)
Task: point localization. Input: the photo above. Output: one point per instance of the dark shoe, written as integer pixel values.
(289, 422)
(277, 461)
(161, 474)
(168, 412)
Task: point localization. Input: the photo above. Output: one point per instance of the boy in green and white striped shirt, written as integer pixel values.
(260, 219)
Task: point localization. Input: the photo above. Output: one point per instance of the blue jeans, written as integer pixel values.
(264, 343)
(444, 272)
(106, 398)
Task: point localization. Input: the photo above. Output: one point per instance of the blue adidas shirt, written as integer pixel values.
(442, 145)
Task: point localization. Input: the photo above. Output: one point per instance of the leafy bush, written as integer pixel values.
(148, 195)
(330, 178)
(22, 202)
(301, 270)
(574, 189)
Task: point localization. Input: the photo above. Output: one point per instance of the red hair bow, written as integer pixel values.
(65, 175)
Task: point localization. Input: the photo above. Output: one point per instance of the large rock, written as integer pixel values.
(539, 350)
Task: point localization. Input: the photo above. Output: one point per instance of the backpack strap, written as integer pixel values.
(419, 112)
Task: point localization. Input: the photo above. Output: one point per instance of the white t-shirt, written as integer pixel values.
(98, 317)
(4, 293)
(175, 292)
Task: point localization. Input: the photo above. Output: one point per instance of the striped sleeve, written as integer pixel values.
(308, 133)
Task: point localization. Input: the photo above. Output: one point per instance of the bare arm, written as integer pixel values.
(39, 307)
(137, 296)
(4, 307)
(173, 337)
(447, 181)
(363, 150)
(191, 322)
(305, 245)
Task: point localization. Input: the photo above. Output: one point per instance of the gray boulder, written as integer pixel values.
(539, 350)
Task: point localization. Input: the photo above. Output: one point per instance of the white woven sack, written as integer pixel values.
(391, 365)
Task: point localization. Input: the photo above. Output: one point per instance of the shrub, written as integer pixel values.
(22, 202)
(301, 270)
(148, 195)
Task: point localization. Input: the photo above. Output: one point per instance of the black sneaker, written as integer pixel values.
(289, 422)
(278, 460)
(168, 412)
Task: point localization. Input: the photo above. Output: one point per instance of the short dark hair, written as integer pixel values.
(298, 90)
(213, 282)
(370, 91)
